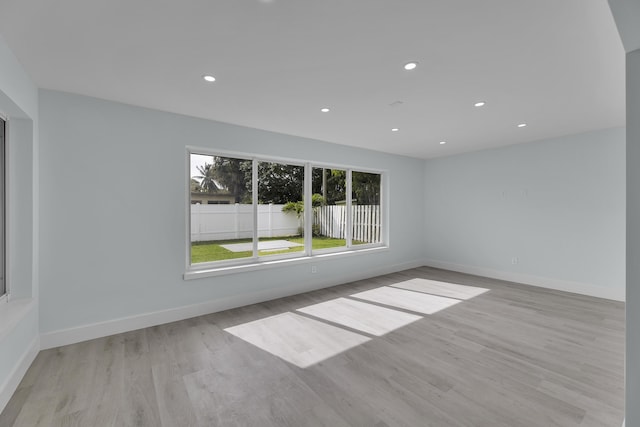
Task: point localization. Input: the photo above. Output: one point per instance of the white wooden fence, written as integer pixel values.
(332, 222)
(223, 222)
(226, 222)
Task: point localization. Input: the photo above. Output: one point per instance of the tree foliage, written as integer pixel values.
(336, 184)
(366, 188)
(207, 179)
(195, 186)
(229, 175)
(277, 183)
(280, 183)
(298, 207)
(235, 176)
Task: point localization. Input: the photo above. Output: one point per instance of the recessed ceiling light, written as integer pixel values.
(522, 125)
(395, 130)
(443, 142)
(479, 104)
(410, 66)
(209, 78)
(324, 110)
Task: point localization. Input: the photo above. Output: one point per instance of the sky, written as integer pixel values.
(198, 160)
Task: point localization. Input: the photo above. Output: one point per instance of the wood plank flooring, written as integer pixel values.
(480, 353)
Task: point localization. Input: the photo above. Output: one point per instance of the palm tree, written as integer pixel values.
(195, 186)
(207, 178)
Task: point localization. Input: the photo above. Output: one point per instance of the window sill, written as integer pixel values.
(221, 271)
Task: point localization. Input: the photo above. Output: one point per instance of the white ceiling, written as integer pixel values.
(557, 65)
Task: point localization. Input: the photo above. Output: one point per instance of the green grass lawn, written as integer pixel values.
(212, 251)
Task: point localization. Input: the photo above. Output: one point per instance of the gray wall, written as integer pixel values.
(557, 205)
(627, 16)
(19, 101)
(19, 317)
(633, 239)
(103, 257)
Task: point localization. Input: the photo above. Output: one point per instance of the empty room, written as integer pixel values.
(293, 213)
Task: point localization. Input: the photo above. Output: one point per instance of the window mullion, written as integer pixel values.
(349, 210)
(383, 213)
(254, 201)
(308, 210)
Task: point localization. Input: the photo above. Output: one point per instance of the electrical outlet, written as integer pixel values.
(314, 269)
(514, 260)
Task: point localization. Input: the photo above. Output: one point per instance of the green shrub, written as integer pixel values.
(317, 200)
(298, 207)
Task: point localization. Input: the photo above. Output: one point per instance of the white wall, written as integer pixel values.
(19, 317)
(557, 205)
(100, 155)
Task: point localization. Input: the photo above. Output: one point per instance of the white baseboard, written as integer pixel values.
(131, 323)
(11, 383)
(542, 282)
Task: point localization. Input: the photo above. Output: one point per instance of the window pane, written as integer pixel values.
(221, 208)
(280, 206)
(365, 211)
(329, 188)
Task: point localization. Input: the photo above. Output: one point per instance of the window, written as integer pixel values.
(365, 210)
(249, 210)
(221, 232)
(329, 208)
(3, 285)
(280, 226)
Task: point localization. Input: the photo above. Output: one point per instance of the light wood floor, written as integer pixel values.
(509, 356)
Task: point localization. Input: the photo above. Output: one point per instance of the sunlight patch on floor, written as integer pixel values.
(443, 289)
(407, 300)
(304, 341)
(297, 339)
(368, 318)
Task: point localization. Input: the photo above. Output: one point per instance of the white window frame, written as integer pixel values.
(214, 268)
(349, 247)
(5, 296)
